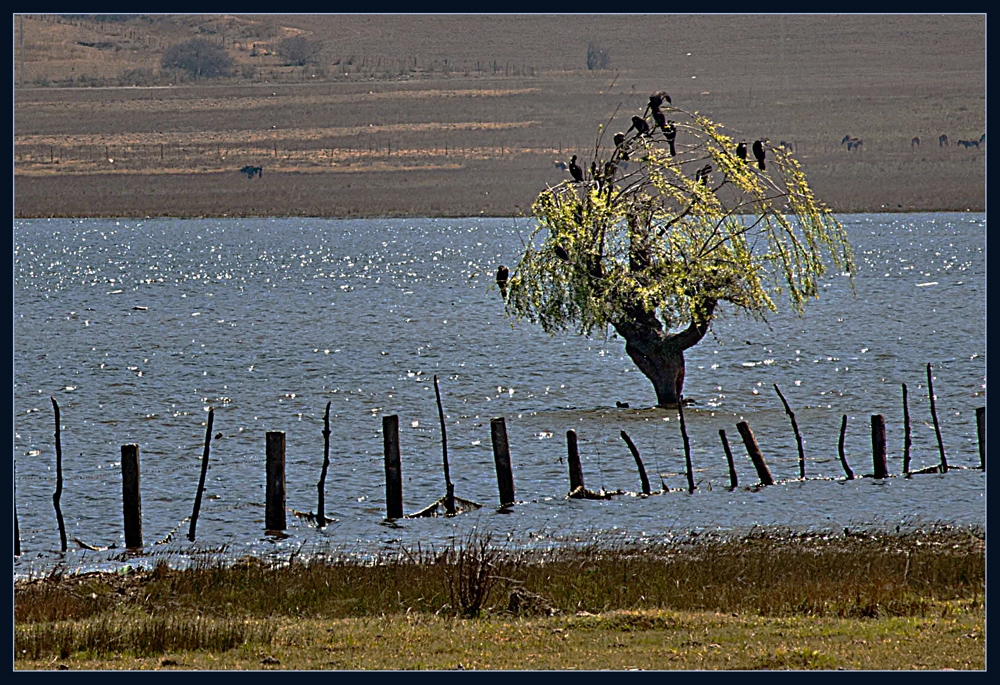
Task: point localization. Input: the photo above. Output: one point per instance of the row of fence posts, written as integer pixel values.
(274, 517)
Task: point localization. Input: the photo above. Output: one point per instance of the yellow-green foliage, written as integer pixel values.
(643, 233)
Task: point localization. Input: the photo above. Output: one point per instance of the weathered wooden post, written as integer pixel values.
(449, 497)
(131, 499)
(501, 456)
(840, 449)
(393, 472)
(59, 480)
(321, 486)
(733, 481)
(573, 459)
(204, 472)
(687, 445)
(795, 428)
(17, 529)
(937, 426)
(753, 450)
(907, 439)
(638, 462)
(981, 433)
(878, 446)
(274, 507)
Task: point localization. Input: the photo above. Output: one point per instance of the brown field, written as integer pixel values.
(443, 115)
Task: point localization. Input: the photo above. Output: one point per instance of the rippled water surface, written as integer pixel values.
(136, 328)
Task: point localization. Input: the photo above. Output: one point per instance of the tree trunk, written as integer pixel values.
(660, 354)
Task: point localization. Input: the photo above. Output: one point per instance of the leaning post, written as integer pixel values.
(274, 511)
(573, 459)
(501, 457)
(753, 450)
(981, 433)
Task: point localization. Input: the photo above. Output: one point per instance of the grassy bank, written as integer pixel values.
(762, 601)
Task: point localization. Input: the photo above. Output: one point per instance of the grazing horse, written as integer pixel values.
(852, 143)
(943, 141)
(251, 170)
(915, 141)
(969, 143)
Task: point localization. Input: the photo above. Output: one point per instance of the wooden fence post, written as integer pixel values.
(501, 456)
(573, 459)
(878, 446)
(17, 529)
(840, 449)
(687, 445)
(733, 481)
(753, 450)
(321, 486)
(59, 481)
(449, 487)
(638, 462)
(907, 435)
(393, 471)
(274, 508)
(131, 499)
(204, 472)
(795, 428)
(981, 433)
(937, 426)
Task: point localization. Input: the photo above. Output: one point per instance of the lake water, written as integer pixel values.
(137, 327)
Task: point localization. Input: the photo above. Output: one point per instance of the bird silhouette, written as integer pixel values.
(670, 131)
(640, 126)
(619, 142)
(741, 150)
(661, 120)
(702, 174)
(758, 152)
(575, 171)
(503, 273)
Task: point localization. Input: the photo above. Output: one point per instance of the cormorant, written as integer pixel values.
(502, 274)
(702, 174)
(661, 119)
(758, 152)
(741, 150)
(670, 131)
(656, 100)
(640, 126)
(575, 171)
(562, 253)
(619, 140)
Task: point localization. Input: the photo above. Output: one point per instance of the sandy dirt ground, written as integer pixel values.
(468, 116)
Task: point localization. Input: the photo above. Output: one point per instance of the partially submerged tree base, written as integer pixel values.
(670, 222)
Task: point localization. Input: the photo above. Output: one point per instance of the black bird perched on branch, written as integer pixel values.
(503, 273)
(562, 253)
(758, 152)
(702, 174)
(661, 120)
(656, 100)
(575, 171)
(741, 150)
(670, 131)
(619, 141)
(640, 126)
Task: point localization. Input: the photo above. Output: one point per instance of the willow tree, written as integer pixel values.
(667, 225)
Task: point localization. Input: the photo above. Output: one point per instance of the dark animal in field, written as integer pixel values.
(503, 274)
(741, 150)
(969, 143)
(845, 139)
(943, 141)
(250, 171)
(640, 126)
(758, 153)
(670, 131)
(852, 143)
(982, 138)
(915, 141)
(574, 170)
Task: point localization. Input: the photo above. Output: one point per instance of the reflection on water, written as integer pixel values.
(136, 328)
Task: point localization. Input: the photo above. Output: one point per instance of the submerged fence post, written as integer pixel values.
(131, 499)
(937, 426)
(638, 462)
(274, 510)
(59, 481)
(449, 487)
(981, 433)
(204, 471)
(393, 473)
(321, 486)
(907, 435)
(840, 449)
(501, 456)
(795, 428)
(733, 481)
(687, 445)
(878, 446)
(753, 450)
(573, 459)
